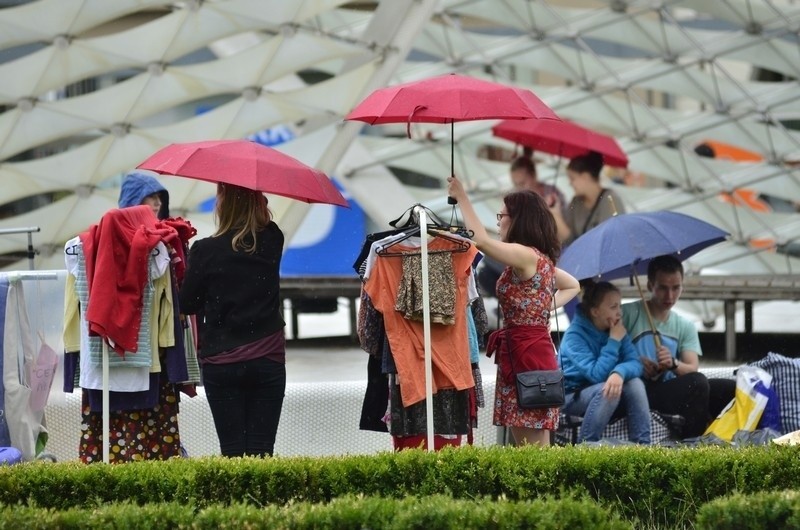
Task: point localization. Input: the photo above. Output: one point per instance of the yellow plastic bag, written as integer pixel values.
(744, 411)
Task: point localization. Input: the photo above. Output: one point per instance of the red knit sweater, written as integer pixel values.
(117, 250)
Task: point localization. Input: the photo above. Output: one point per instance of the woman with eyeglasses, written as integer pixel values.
(528, 289)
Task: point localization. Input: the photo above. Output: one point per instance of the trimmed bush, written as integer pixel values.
(757, 511)
(429, 513)
(650, 486)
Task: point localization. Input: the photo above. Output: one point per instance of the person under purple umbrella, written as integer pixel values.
(232, 284)
(671, 357)
(601, 367)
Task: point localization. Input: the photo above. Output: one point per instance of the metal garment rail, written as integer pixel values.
(728, 289)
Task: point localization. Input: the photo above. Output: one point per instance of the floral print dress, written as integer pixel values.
(525, 303)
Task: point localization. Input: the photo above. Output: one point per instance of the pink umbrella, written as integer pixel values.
(447, 99)
(562, 138)
(246, 164)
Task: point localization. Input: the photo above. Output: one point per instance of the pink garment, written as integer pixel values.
(117, 250)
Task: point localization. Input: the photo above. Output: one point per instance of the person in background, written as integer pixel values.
(232, 284)
(672, 380)
(592, 203)
(524, 177)
(141, 187)
(601, 367)
(528, 289)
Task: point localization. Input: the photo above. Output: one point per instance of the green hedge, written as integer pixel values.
(429, 513)
(757, 511)
(654, 486)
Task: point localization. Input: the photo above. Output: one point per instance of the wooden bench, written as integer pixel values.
(663, 427)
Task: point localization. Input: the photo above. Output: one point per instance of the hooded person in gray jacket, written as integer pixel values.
(602, 368)
(140, 187)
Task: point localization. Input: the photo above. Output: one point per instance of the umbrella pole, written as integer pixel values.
(452, 149)
(656, 339)
(451, 200)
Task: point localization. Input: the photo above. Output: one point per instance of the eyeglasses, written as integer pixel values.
(501, 215)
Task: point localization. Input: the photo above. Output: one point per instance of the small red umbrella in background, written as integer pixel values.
(447, 99)
(561, 138)
(246, 164)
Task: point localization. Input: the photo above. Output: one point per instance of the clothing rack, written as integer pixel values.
(426, 328)
(14, 276)
(29, 230)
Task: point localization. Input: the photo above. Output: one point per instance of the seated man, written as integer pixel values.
(671, 357)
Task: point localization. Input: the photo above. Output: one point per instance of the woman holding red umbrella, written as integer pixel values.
(527, 291)
(232, 283)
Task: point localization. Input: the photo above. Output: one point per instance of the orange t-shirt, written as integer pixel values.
(449, 343)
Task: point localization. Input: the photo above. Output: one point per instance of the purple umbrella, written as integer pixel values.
(626, 243)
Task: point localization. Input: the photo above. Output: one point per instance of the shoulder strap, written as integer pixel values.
(594, 210)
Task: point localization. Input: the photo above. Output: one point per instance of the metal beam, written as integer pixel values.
(393, 27)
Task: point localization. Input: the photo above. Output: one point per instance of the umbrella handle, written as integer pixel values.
(656, 338)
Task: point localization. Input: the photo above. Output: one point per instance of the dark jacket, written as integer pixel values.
(236, 295)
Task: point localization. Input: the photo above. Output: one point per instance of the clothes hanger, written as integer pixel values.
(435, 221)
(461, 245)
(456, 227)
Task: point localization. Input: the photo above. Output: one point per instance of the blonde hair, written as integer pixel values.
(243, 212)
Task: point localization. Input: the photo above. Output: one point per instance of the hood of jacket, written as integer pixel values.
(136, 186)
(584, 325)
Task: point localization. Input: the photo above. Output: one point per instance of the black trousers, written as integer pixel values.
(720, 393)
(246, 400)
(686, 395)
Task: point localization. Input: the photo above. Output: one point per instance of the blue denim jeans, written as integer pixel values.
(597, 411)
(246, 400)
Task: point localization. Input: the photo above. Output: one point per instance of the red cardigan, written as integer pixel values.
(117, 250)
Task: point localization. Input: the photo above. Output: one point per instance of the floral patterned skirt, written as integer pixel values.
(508, 414)
(147, 434)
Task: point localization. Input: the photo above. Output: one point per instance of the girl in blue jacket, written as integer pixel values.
(602, 368)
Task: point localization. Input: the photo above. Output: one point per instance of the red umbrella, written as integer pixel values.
(246, 164)
(562, 138)
(447, 99)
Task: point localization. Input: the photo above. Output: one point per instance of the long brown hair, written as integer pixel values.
(532, 224)
(243, 212)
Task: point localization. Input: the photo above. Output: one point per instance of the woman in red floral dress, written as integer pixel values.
(529, 288)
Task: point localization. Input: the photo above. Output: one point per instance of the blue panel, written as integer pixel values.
(327, 242)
